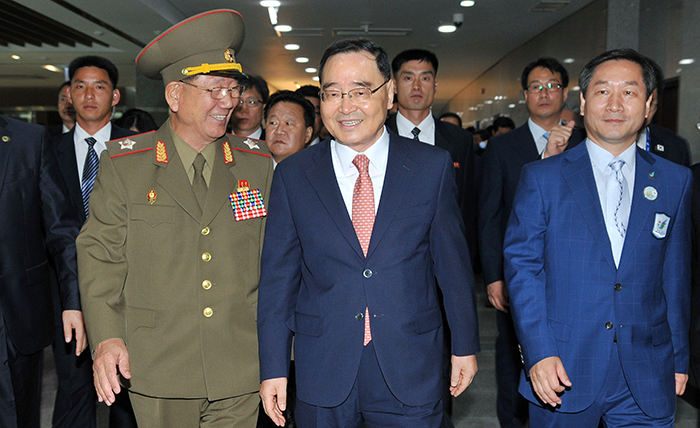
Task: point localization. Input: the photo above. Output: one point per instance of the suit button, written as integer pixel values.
(206, 257)
(206, 231)
(618, 287)
(206, 284)
(367, 273)
(208, 312)
(359, 316)
(609, 325)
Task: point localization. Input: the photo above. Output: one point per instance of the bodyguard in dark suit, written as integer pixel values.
(544, 84)
(695, 289)
(360, 230)
(92, 92)
(38, 231)
(415, 72)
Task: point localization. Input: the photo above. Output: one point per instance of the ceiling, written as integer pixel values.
(119, 29)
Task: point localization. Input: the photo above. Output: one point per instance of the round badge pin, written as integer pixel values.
(650, 193)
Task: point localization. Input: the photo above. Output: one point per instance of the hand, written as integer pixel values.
(558, 139)
(109, 354)
(73, 320)
(498, 295)
(681, 380)
(463, 371)
(273, 393)
(549, 378)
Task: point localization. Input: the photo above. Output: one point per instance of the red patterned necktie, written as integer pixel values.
(363, 216)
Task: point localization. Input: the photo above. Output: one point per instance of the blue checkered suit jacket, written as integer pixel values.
(569, 300)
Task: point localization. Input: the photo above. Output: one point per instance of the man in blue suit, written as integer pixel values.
(597, 255)
(359, 230)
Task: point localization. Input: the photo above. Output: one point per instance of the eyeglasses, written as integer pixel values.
(251, 102)
(219, 93)
(357, 95)
(550, 87)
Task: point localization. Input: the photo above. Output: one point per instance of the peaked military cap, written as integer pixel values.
(202, 44)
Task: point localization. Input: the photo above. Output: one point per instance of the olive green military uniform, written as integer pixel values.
(178, 286)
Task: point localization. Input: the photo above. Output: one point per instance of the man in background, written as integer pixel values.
(289, 119)
(247, 119)
(311, 92)
(65, 111)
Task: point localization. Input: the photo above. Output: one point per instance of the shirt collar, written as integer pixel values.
(187, 153)
(405, 126)
(601, 158)
(377, 153)
(101, 136)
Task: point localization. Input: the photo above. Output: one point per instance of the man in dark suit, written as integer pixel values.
(544, 84)
(93, 92)
(38, 231)
(597, 261)
(415, 73)
(657, 139)
(360, 294)
(65, 111)
(695, 289)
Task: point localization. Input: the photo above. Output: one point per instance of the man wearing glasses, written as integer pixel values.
(544, 84)
(169, 257)
(362, 227)
(247, 118)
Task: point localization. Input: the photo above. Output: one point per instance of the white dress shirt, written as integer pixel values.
(600, 159)
(537, 134)
(81, 146)
(346, 173)
(427, 128)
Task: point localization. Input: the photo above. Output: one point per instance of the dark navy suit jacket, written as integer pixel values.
(38, 228)
(569, 300)
(316, 282)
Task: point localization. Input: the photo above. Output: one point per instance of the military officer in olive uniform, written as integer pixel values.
(169, 259)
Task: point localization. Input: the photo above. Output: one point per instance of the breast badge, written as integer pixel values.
(247, 204)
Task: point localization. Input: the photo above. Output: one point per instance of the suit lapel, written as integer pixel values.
(640, 212)
(173, 179)
(222, 183)
(322, 178)
(578, 173)
(65, 153)
(399, 171)
(5, 152)
(527, 149)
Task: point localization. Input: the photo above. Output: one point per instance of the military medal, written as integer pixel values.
(127, 144)
(151, 197)
(228, 156)
(251, 144)
(161, 153)
(246, 203)
(650, 193)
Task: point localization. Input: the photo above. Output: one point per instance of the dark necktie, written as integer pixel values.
(92, 163)
(415, 131)
(199, 185)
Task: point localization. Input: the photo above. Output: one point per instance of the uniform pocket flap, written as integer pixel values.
(153, 214)
(139, 317)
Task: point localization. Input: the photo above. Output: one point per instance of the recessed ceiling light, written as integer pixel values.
(16, 57)
(311, 70)
(449, 28)
(315, 79)
(488, 102)
(576, 88)
(569, 61)
(291, 47)
(686, 61)
(270, 3)
(467, 3)
(302, 60)
(283, 28)
(511, 105)
(52, 68)
(521, 101)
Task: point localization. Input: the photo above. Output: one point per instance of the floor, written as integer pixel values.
(476, 408)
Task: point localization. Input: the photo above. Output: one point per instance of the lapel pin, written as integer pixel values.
(251, 144)
(650, 193)
(127, 144)
(660, 148)
(243, 186)
(652, 174)
(5, 138)
(151, 197)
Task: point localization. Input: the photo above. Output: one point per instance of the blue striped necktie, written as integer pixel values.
(92, 162)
